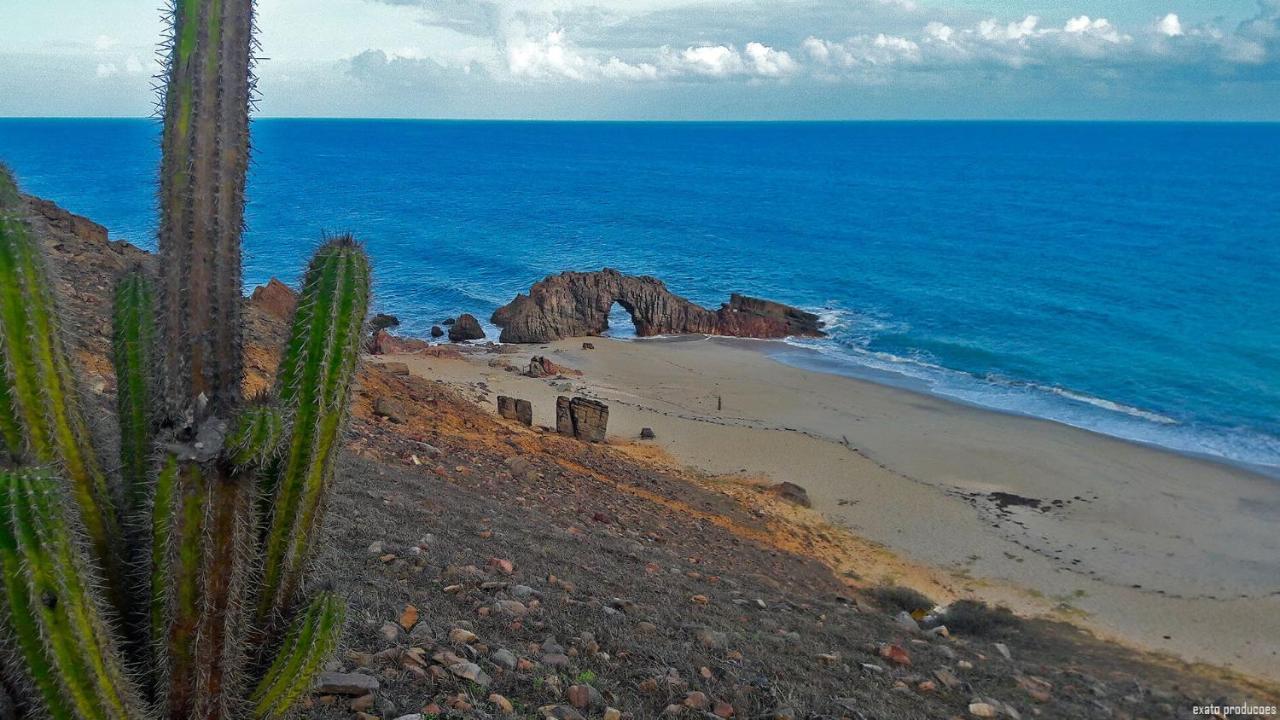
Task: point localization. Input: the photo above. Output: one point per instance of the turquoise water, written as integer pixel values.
(1119, 277)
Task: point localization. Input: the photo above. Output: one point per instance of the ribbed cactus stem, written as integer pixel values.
(66, 647)
(132, 353)
(256, 437)
(40, 392)
(311, 641)
(208, 561)
(313, 388)
(202, 179)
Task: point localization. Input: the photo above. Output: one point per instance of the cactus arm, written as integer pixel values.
(313, 386)
(162, 514)
(202, 180)
(19, 614)
(43, 395)
(255, 440)
(76, 643)
(312, 639)
(132, 345)
(10, 431)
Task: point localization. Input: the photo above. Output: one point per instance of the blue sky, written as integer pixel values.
(682, 59)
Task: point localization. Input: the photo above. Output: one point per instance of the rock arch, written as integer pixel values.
(577, 304)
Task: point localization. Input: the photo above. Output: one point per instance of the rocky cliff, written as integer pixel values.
(576, 304)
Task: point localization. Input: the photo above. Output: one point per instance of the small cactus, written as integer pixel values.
(217, 502)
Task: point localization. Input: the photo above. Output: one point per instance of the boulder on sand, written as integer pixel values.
(466, 327)
(586, 420)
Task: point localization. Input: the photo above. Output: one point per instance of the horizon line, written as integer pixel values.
(658, 121)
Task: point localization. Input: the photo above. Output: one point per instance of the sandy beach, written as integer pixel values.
(1158, 550)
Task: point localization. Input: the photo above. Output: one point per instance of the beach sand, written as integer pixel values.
(1158, 550)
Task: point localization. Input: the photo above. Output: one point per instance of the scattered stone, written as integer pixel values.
(647, 434)
(983, 710)
(700, 600)
(791, 493)
(584, 697)
(906, 622)
(940, 631)
(470, 671)
(503, 658)
(460, 636)
(829, 658)
(588, 346)
(409, 617)
(1004, 650)
(711, 639)
(555, 660)
(502, 565)
(1038, 688)
(389, 408)
(351, 684)
(502, 704)
(390, 631)
(376, 548)
(396, 368)
(947, 678)
(466, 327)
(542, 367)
(696, 700)
(612, 714)
(362, 703)
(722, 709)
(895, 654)
(510, 608)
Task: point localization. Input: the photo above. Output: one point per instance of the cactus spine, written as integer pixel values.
(313, 637)
(313, 387)
(132, 349)
(69, 651)
(45, 419)
(225, 500)
(202, 179)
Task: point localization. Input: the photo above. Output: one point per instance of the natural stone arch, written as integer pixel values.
(577, 304)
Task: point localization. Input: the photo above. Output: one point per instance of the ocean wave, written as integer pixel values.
(847, 352)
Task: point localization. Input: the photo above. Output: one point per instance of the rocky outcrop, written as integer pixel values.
(275, 299)
(466, 327)
(542, 367)
(515, 409)
(586, 420)
(575, 304)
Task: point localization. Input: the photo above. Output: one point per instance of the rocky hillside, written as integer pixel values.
(497, 570)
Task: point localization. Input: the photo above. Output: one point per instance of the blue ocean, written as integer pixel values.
(1119, 277)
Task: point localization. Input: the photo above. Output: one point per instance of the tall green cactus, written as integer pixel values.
(223, 500)
(314, 387)
(202, 181)
(44, 423)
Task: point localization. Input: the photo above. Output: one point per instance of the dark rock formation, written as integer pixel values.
(507, 407)
(647, 434)
(437, 331)
(466, 327)
(541, 367)
(384, 343)
(513, 409)
(383, 321)
(587, 420)
(792, 493)
(524, 412)
(575, 304)
(564, 419)
(275, 299)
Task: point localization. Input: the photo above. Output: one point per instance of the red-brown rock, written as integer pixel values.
(575, 304)
(275, 299)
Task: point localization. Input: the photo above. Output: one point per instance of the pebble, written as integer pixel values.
(503, 658)
(1004, 650)
(458, 636)
(470, 671)
(362, 703)
(390, 631)
(559, 712)
(503, 705)
(895, 654)
(612, 714)
(353, 684)
(982, 710)
(409, 617)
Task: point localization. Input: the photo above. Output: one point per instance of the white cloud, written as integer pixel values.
(103, 43)
(715, 61)
(1170, 25)
(106, 70)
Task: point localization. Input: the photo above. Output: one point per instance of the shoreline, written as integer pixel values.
(1133, 542)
